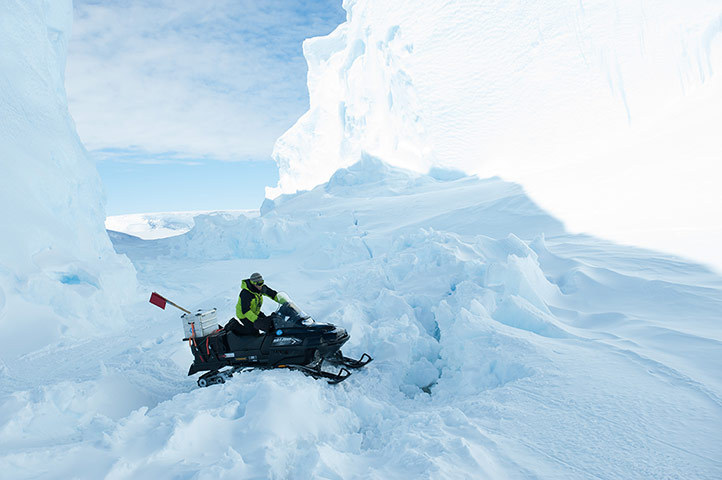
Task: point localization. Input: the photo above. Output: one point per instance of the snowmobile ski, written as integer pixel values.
(339, 359)
(317, 373)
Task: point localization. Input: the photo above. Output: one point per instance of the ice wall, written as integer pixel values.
(582, 102)
(59, 274)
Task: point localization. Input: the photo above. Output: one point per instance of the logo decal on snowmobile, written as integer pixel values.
(287, 341)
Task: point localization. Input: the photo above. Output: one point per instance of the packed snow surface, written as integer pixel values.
(59, 274)
(607, 112)
(504, 348)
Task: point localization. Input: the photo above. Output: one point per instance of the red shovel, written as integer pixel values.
(160, 301)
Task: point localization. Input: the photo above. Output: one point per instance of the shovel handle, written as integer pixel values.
(177, 306)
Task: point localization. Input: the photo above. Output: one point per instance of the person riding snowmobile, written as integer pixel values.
(249, 317)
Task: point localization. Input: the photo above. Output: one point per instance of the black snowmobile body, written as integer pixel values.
(296, 342)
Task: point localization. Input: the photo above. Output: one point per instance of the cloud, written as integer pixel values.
(217, 80)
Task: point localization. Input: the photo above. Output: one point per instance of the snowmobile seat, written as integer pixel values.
(244, 342)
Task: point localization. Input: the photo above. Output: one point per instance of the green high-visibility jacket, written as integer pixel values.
(250, 300)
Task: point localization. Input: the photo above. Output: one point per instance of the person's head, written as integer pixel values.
(256, 280)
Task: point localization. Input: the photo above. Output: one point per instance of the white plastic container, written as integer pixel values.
(199, 324)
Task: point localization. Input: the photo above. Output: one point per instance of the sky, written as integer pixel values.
(180, 103)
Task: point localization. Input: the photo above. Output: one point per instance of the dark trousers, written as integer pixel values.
(243, 326)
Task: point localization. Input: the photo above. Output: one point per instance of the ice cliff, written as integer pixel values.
(59, 274)
(482, 85)
(574, 100)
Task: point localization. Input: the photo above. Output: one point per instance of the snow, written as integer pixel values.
(593, 106)
(504, 345)
(59, 275)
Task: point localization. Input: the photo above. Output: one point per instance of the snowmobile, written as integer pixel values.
(295, 342)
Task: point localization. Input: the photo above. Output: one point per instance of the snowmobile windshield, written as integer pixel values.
(289, 313)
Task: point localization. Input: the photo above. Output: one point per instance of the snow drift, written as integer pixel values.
(504, 348)
(58, 272)
(583, 103)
